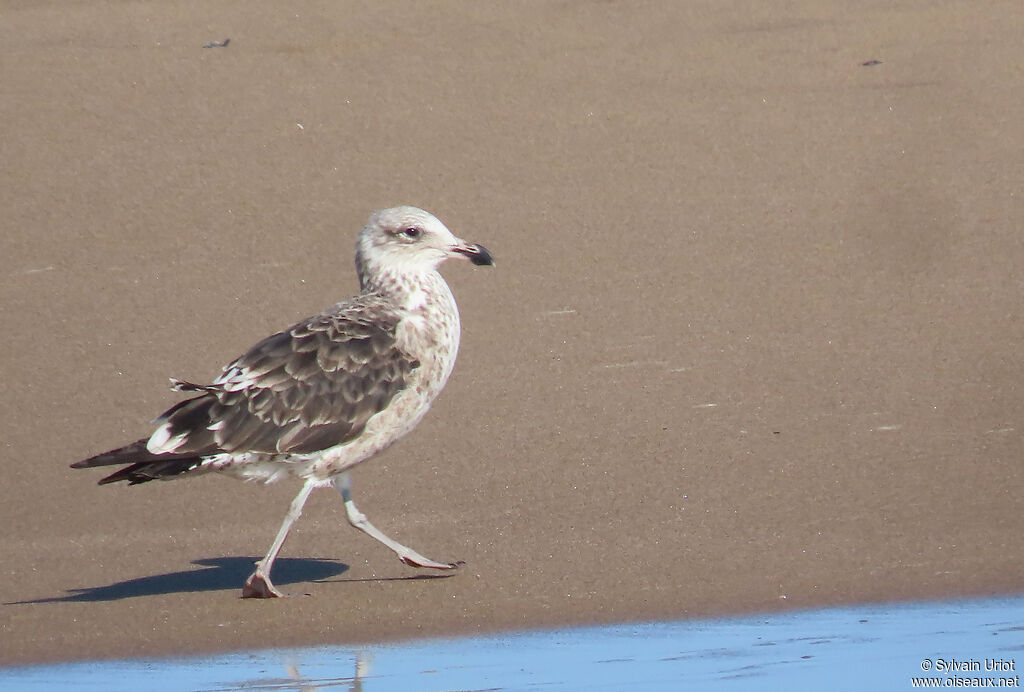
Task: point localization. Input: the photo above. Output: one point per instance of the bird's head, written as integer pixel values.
(410, 240)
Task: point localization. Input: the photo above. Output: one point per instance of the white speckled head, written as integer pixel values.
(408, 240)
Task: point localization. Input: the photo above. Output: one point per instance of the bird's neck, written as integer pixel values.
(414, 291)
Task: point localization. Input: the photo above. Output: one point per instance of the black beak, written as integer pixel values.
(477, 254)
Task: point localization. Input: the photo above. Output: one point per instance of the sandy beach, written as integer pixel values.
(752, 341)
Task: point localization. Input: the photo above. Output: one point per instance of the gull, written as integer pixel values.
(329, 392)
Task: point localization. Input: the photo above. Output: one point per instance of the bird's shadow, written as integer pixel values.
(220, 574)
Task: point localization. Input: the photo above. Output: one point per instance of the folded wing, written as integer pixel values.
(300, 391)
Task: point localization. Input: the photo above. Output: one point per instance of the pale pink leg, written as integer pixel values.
(259, 585)
(407, 555)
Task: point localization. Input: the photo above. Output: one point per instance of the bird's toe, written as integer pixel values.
(258, 586)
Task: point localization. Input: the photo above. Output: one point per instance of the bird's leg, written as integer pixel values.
(259, 584)
(407, 555)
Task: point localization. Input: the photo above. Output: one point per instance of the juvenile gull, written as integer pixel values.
(316, 399)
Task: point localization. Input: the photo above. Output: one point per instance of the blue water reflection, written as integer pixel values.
(880, 646)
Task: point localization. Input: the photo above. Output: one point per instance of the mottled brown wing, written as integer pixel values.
(301, 390)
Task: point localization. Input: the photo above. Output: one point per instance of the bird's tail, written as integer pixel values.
(143, 465)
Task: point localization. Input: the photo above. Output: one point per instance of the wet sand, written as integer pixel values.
(751, 343)
(844, 648)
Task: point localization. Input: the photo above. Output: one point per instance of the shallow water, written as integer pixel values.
(880, 646)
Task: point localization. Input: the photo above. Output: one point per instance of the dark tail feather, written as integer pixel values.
(128, 454)
(145, 466)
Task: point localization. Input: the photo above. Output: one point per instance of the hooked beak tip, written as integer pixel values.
(477, 254)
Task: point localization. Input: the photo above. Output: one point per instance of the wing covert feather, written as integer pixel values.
(304, 389)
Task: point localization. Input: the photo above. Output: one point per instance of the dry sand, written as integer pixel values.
(752, 343)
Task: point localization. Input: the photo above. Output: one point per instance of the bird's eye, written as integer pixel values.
(412, 232)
